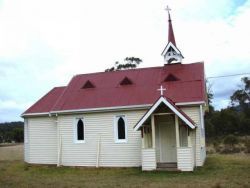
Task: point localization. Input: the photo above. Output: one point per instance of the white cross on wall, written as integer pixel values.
(162, 90)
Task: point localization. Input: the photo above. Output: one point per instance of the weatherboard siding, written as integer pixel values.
(100, 126)
(26, 140)
(148, 159)
(194, 113)
(185, 158)
(41, 147)
(42, 144)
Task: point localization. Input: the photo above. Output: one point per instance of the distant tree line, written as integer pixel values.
(233, 120)
(11, 131)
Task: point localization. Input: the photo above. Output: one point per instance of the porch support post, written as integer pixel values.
(143, 138)
(153, 130)
(189, 138)
(177, 131)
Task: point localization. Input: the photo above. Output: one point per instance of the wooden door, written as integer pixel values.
(167, 142)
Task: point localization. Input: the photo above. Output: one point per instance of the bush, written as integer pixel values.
(231, 140)
(247, 145)
(227, 150)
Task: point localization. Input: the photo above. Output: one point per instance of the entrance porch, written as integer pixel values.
(166, 140)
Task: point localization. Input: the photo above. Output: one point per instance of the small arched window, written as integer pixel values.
(79, 131)
(120, 129)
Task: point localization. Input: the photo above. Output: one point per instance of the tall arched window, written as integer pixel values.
(79, 131)
(120, 129)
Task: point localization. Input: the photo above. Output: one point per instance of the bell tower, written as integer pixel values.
(171, 53)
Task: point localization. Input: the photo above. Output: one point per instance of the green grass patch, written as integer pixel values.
(219, 171)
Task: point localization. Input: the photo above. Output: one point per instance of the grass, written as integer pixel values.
(219, 171)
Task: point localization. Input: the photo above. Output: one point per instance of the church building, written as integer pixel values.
(151, 118)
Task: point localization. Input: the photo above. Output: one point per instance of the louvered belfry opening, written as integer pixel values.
(126, 81)
(88, 84)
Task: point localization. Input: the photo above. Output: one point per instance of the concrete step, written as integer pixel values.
(167, 165)
(168, 169)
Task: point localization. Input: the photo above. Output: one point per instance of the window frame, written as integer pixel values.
(76, 141)
(116, 118)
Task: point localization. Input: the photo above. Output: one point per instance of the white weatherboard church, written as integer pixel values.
(147, 117)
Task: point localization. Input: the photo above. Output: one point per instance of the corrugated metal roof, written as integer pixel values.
(109, 93)
(46, 103)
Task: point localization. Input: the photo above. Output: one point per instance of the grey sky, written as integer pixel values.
(43, 43)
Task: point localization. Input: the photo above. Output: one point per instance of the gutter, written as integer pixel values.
(106, 109)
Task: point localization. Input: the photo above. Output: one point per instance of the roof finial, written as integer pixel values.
(171, 37)
(168, 9)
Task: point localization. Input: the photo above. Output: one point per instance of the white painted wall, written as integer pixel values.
(97, 125)
(26, 140)
(41, 147)
(148, 159)
(185, 159)
(194, 113)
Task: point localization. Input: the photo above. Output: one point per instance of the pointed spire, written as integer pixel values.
(170, 31)
(171, 53)
(170, 28)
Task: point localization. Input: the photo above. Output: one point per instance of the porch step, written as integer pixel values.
(167, 167)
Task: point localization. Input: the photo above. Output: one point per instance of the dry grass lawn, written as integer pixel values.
(219, 171)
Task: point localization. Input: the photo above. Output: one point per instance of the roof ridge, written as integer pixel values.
(137, 69)
(65, 88)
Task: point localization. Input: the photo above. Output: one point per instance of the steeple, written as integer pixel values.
(170, 28)
(171, 53)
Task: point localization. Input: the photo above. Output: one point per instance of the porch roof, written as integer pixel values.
(170, 104)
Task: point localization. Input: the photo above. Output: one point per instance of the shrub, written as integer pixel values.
(247, 145)
(231, 140)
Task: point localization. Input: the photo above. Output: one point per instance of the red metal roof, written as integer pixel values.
(109, 93)
(46, 103)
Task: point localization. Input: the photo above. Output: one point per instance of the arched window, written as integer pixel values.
(120, 129)
(79, 130)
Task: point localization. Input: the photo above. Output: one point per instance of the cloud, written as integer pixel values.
(44, 43)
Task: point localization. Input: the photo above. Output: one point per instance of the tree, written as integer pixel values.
(241, 96)
(129, 63)
(11, 131)
(234, 119)
(210, 96)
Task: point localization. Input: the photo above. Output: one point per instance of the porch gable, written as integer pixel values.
(184, 117)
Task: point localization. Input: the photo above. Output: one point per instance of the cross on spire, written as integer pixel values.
(168, 9)
(162, 90)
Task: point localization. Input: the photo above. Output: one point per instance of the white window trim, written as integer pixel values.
(116, 129)
(75, 131)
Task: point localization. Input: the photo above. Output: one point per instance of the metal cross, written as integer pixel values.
(162, 90)
(168, 9)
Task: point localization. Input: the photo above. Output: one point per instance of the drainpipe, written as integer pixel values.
(59, 143)
(98, 151)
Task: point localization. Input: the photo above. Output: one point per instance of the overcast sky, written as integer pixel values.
(43, 43)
